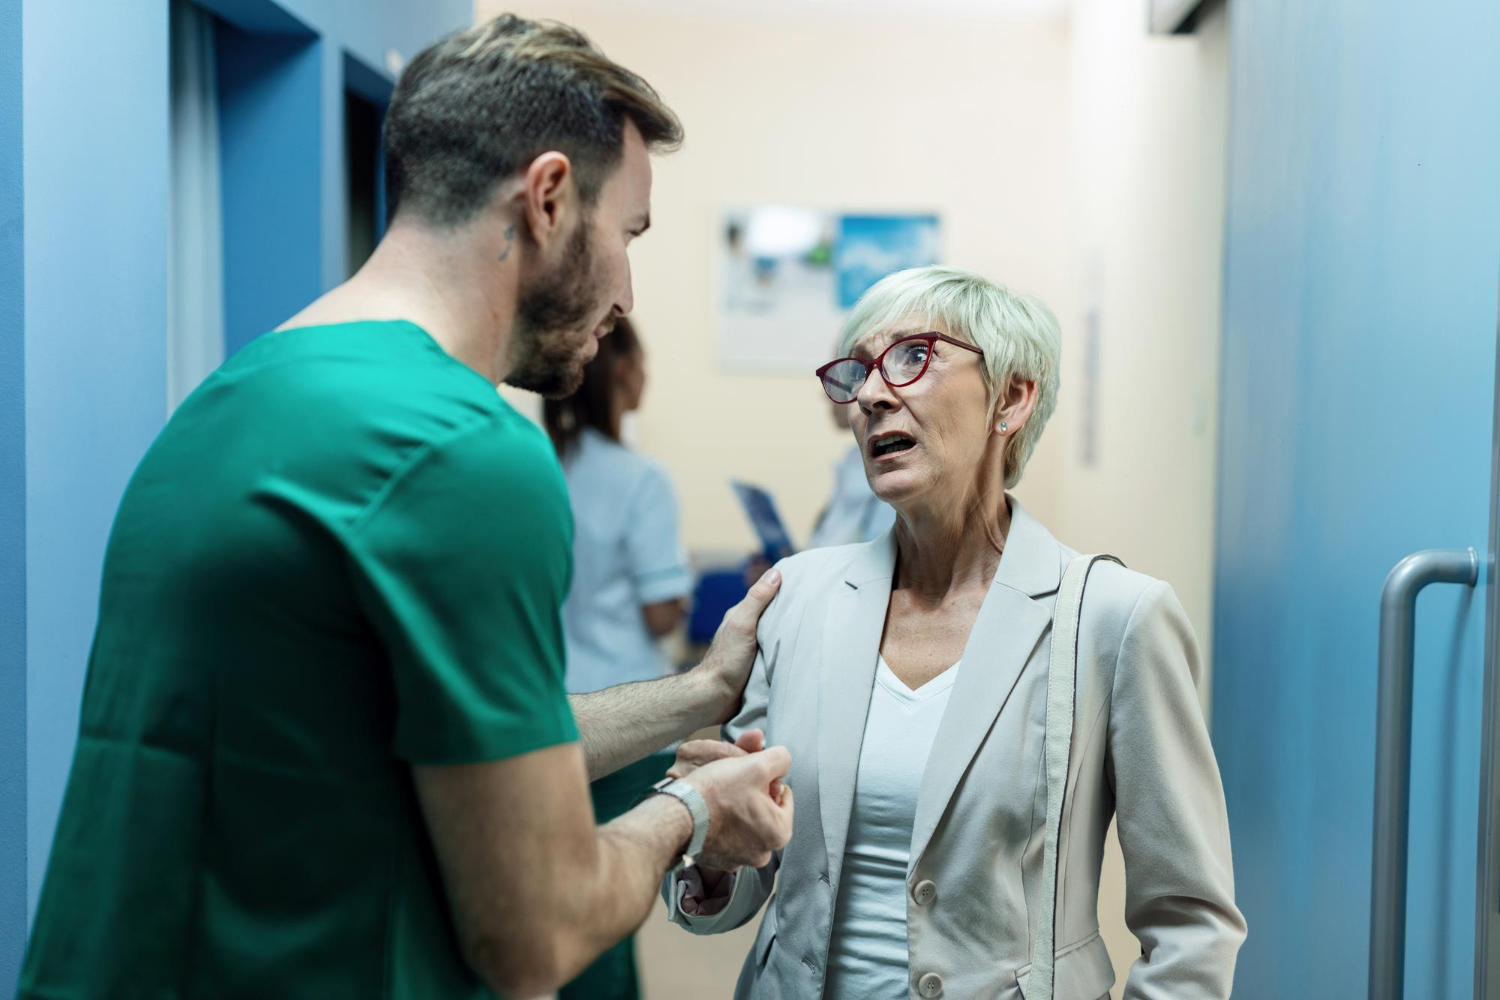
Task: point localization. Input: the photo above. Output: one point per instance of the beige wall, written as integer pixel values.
(1082, 162)
(968, 118)
(1149, 120)
(1148, 144)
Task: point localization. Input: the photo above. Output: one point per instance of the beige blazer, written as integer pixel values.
(1140, 752)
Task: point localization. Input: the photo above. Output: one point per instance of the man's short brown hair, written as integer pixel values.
(481, 104)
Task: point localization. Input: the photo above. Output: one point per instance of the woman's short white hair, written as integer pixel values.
(1018, 334)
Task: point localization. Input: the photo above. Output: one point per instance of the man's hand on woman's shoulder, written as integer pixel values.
(732, 655)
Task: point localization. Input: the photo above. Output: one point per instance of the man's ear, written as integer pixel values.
(548, 193)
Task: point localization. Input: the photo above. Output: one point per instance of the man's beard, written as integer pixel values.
(553, 322)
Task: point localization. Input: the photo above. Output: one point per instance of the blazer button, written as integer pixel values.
(930, 985)
(925, 892)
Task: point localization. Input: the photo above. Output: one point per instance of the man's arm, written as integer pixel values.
(622, 724)
(537, 891)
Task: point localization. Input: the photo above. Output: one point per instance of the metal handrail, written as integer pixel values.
(1398, 603)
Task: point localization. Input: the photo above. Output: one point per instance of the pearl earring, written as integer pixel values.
(1004, 427)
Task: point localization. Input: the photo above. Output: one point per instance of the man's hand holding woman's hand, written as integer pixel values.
(750, 806)
(695, 753)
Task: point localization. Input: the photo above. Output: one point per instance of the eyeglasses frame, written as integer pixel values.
(932, 337)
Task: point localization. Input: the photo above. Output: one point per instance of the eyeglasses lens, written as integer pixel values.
(843, 380)
(905, 361)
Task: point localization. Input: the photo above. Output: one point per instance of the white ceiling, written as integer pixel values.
(792, 9)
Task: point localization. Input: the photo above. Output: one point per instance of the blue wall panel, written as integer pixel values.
(1362, 275)
(95, 105)
(12, 506)
(271, 119)
(371, 31)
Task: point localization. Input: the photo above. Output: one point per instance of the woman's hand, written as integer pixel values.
(696, 753)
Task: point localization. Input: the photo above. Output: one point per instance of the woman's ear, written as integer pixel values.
(1014, 406)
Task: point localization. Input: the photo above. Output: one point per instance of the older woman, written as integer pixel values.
(908, 677)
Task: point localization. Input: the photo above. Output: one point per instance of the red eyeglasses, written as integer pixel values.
(901, 364)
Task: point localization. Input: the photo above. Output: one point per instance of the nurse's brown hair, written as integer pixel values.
(593, 405)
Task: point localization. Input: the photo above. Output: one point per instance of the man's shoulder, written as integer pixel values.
(497, 446)
(383, 364)
(492, 475)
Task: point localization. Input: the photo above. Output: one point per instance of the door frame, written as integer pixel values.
(1487, 921)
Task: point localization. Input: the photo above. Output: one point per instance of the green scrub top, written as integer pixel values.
(344, 555)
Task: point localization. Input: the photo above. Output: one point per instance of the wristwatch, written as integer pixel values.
(696, 807)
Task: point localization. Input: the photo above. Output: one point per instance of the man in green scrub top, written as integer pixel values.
(325, 748)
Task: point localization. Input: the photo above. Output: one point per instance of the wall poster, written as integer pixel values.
(788, 277)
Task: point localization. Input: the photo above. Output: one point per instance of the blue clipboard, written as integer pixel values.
(775, 542)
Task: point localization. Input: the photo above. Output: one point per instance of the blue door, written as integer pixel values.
(1362, 274)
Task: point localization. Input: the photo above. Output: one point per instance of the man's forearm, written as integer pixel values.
(622, 724)
(599, 906)
(591, 903)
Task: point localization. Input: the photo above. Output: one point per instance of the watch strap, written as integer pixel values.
(697, 808)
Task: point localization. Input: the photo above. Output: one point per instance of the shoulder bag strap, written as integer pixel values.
(1062, 677)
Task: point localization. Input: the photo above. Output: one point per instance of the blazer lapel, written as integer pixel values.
(1010, 624)
(855, 621)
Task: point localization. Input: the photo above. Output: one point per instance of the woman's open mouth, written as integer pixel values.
(890, 444)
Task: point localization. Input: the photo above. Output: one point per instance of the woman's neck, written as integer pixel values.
(941, 549)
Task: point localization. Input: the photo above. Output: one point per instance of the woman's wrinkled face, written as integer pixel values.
(926, 442)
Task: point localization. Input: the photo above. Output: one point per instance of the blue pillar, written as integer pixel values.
(96, 174)
(12, 506)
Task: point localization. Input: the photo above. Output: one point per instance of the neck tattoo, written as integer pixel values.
(510, 239)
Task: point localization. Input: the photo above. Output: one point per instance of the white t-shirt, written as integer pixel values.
(867, 957)
(627, 552)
